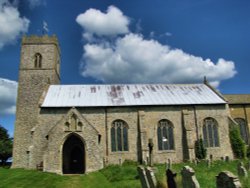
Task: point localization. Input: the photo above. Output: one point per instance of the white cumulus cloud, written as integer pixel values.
(11, 24)
(8, 94)
(111, 23)
(130, 58)
(134, 59)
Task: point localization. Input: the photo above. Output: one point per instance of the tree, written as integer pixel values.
(238, 145)
(200, 150)
(6, 144)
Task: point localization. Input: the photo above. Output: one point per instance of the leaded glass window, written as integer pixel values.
(243, 128)
(165, 135)
(210, 133)
(119, 136)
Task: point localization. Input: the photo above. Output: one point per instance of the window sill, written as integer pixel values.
(166, 151)
(119, 152)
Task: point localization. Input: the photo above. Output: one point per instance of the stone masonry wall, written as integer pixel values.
(32, 83)
(100, 118)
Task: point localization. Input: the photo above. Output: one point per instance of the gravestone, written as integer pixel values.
(196, 161)
(188, 178)
(150, 146)
(170, 179)
(208, 162)
(227, 159)
(151, 177)
(242, 170)
(168, 164)
(227, 179)
(143, 177)
(211, 157)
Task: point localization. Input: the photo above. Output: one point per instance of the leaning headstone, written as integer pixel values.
(169, 164)
(196, 161)
(170, 178)
(143, 177)
(188, 178)
(242, 170)
(227, 179)
(151, 177)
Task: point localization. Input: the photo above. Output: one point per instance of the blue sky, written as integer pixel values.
(140, 41)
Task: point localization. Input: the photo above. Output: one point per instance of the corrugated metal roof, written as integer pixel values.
(129, 95)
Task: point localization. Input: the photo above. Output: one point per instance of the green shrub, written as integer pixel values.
(200, 150)
(237, 144)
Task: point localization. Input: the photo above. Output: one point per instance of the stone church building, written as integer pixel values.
(82, 128)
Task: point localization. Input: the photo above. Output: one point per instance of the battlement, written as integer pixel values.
(44, 39)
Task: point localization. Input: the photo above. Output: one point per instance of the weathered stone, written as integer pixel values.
(169, 164)
(150, 146)
(188, 178)
(208, 162)
(211, 157)
(143, 177)
(227, 179)
(151, 177)
(242, 170)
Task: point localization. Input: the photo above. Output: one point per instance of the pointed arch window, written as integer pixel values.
(165, 135)
(243, 128)
(119, 136)
(38, 60)
(210, 132)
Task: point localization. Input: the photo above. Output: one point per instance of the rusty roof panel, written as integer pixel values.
(129, 95)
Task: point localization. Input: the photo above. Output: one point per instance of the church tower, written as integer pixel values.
(39, 67)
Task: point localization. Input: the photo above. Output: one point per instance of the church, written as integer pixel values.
(76, 129)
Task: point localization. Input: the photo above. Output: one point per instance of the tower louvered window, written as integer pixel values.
(38, 60)
(119, 136)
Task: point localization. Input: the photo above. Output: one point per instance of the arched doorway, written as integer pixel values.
(73, 156)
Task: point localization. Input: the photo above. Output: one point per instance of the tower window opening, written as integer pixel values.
(38, 60)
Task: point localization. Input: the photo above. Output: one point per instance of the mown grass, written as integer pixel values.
(113, 176)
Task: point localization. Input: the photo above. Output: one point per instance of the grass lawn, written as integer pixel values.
(112, 176)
